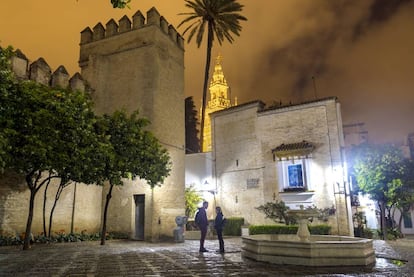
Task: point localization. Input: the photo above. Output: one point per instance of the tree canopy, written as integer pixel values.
(51, 137)
(378, 170)
(6, 88)
(192, 199)
(384, 174)
(134, 153)
(120, 4)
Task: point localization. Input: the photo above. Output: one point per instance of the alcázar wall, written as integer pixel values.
(129, 65)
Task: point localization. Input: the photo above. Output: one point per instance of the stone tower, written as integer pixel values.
(139, 65)
(219, 100)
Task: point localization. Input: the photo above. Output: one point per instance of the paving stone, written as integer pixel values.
(134, 258)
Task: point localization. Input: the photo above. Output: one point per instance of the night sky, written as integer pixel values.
(361, 51)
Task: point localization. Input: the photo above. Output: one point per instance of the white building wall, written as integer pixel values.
(239, 161)
(247, 174)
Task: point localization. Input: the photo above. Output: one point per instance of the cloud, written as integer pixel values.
(360, 51)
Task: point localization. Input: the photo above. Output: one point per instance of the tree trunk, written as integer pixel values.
(400, 220)
(206, 76)
(26, 243)
(72, 222)
(108, 198)
(44, 208)
(57, 196)
(383, 221)
(33, 190)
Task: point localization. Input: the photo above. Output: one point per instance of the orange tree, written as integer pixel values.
(52, 137)
(133, 153)
(381, 173)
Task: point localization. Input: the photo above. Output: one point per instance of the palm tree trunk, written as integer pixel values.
(206, 77)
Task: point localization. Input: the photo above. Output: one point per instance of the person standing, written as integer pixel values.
(202, 223)
(219, 225)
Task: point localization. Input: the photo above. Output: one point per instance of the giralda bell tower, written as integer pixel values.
(219, 100)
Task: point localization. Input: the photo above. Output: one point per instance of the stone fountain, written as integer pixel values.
(303, 218)
(306, 249)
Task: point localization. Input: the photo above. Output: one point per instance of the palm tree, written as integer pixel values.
(222, 19)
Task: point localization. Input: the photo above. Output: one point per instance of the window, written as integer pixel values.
(408, 223)
(293, 175)
(293, 164)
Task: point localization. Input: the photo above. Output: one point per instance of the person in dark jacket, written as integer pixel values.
(219, 225)
(202, 223)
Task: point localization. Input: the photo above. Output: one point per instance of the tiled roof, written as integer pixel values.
(302, 148)
(298, 104)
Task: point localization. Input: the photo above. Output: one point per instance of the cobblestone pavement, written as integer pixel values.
(134, 258)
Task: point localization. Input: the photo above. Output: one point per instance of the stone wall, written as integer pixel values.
(79, 207)
(40, 72)
(139, 65)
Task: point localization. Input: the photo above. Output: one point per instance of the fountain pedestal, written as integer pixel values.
(303, 219)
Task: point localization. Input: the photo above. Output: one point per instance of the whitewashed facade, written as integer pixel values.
(291, 153)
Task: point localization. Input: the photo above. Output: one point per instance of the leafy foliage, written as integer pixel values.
(7, 85)
(51, 136)
(378, 170)
(272, 229)
(120, 4)
(404, 196)
(133, 153)
(233, 226)
(325, 213)
(221, 18)
(322, 229)
(192, 198)
(61, 236)
(277, 211)
(385, 175)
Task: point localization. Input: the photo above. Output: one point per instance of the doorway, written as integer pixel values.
(139, 216)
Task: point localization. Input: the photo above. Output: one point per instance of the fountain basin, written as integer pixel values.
(318, 250)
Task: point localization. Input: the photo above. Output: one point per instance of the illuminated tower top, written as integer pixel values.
(219, 100)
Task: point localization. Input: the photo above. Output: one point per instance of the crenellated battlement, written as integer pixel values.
(40, 72)
(112, 28)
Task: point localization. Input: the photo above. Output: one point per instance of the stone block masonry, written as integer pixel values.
(134, 65)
